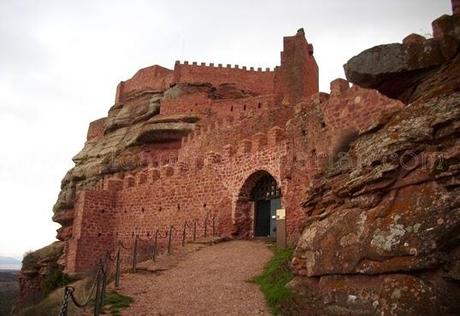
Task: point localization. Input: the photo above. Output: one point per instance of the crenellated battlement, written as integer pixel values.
(258, 80)
(161, 169)
(226, 66)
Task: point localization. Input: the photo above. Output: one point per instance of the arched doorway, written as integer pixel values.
(258, 200)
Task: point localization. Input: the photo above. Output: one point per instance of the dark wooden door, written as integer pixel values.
(262, 226)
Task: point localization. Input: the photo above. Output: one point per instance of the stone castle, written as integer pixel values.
(355, 170)
(198, 141)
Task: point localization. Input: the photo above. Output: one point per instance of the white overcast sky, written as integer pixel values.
(60, 62)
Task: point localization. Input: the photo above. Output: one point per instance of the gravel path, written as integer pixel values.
(211, 281)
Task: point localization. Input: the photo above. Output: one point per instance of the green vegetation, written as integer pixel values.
(115, 302)
(274, 279)
(55, 279)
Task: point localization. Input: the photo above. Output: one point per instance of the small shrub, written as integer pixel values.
(55, 279)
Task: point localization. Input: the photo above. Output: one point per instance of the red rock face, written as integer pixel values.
(456, 6)
(382, 226)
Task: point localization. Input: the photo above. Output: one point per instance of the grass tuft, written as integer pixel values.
(115, 302)
(274, 279)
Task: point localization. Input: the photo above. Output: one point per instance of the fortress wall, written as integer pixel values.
(209, 109)
(197, 103)
(139, 203)
(96, 129)
(92, 232)
(237, 124)
(355, 110)
(171, 194)
(206, 175)
(257, 80)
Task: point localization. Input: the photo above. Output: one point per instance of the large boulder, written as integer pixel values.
(385, 67)
(396, 69)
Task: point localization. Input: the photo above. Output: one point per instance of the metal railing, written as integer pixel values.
(97, 291)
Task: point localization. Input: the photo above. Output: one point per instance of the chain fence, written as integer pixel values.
(150, 248)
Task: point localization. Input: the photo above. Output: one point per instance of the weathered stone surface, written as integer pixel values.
(35, 267)
(388, 294)
(456, 6)
(229, 91)
(391, 68)
(133, 112)
(153, 132)
(414, 39)
(397, 69)
(181, 89)
(391, 205)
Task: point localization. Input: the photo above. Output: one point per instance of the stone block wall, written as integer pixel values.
(257, 80)
(92, 229)
(141, 202)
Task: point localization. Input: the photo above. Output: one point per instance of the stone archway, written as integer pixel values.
(259, 194)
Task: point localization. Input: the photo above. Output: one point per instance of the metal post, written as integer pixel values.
(184, 233)
(194, 230)
(155, 246)
(170, 239)
(104, 283)
(98, 293)
(213, 226)
(135, 254)
(206, 226)
(117, 269)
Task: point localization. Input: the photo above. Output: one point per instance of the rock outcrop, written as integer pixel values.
(395, 69)
(382, 234)
(36, 267)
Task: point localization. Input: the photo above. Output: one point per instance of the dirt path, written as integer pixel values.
(211, 281)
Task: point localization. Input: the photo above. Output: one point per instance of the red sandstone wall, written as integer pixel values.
(297, 77)
(96, 129)
(260, 81)
(92, 230)
(154, 198)
(197, 103)
(236, 120)
(355, 108)
(210, 111)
